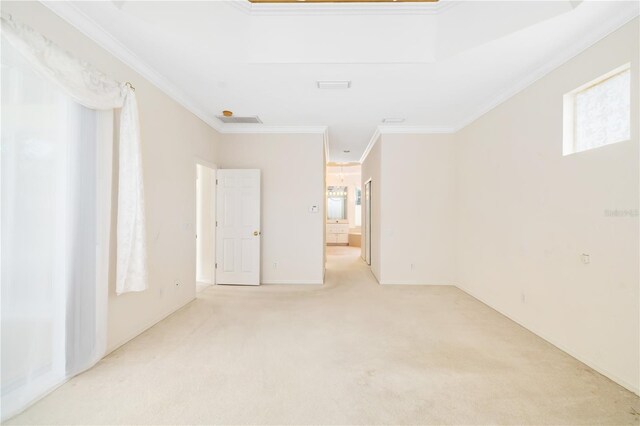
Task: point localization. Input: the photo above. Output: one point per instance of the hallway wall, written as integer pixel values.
(372, 170)
(413, 208)
(419, 209)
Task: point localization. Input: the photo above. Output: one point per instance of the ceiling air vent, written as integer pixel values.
(240, 120)
(340, 84)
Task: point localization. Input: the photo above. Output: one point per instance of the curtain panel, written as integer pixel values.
(95, 90)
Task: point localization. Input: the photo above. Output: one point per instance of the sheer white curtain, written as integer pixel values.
(55, 182)
(54, 288)
(93, 89)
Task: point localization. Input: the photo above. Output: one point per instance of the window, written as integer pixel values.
(54, 217)
(598, 113)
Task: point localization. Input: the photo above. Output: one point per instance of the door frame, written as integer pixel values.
(367, 221)
(214, 168)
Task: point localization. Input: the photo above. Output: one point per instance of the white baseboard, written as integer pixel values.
(413, 283)
(304, 282)
(584, 360)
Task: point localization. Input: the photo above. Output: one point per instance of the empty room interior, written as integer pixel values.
(320, 212)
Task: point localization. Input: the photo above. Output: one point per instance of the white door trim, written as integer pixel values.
(367, 222)
(197, 161)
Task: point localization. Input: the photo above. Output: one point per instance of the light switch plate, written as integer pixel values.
(314, 209)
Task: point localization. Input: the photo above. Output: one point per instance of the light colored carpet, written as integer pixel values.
(348, 352)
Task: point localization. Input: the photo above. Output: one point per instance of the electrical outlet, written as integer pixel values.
(275, 265)
(586, 259)
(523, 298)
(412, 266)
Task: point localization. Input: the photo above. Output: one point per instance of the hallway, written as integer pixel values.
(348, 352)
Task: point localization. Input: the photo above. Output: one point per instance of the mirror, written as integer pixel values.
(337, 203)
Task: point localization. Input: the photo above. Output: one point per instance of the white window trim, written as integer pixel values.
(568, 113)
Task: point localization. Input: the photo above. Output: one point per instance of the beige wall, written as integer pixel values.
(498, 211)
(293, 179)
(419, 213)
(526, 214)
(372, 170)
(413, 207)
(171, 138)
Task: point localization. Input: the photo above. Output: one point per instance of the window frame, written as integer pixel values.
(568, 115)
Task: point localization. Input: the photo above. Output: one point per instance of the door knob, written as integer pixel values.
(256, 233)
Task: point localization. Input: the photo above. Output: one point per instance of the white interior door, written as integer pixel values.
(238, 227)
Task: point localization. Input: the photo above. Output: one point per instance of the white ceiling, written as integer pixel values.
(438, 65)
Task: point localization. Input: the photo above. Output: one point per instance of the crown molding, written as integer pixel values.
(90, 28)
(415, 130)
(283, 9)
(87, 26)
(372, 142)
(325, 139)
(563, 57)
(406, 130)
(580, 45)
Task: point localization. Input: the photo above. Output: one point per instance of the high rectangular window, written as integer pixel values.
(598, 113)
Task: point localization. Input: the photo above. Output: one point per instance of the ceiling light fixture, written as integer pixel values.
(391, 120)
(338, 84)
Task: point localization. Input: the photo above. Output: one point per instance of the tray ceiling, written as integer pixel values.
(436, 65)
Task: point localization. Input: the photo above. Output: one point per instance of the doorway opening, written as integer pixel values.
(344, 205)
(367, 223)
(205, 224)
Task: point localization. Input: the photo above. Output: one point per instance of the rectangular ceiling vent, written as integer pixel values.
(239, 120)
(392, 120)
(341, 84)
